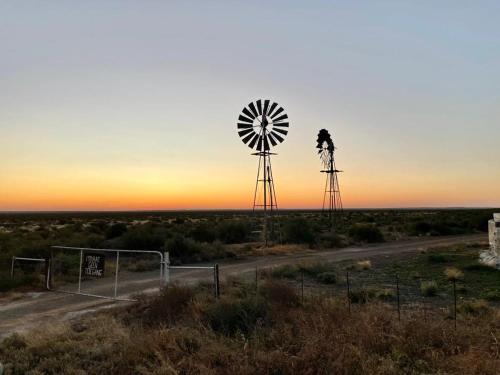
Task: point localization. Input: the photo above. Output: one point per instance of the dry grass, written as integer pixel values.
(364, 265)
(269, 332)
(453, 274)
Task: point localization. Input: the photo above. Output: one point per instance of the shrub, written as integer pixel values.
(168, 307)
(476, 307)
(329, 277)
(279, 293)
(365, 232)
(384, 294)
(116, 230)
(204, 233)
(492, 295)
(314, 269)
(361, 295)
(437, 258)
(298, 230)
(181, 247)
(141, 239)
(428, 288)
(230, 316)
(234, 231)
(287, 271)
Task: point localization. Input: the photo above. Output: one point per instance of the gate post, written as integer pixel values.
(166, 268)
(12, 268)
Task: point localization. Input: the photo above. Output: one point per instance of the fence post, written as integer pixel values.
(166, 268)
(12, 268)
(455, 301)
(116, 272)
(348, 292)
(397, 294)
(216, 281)
(256, 278)
(80, 272)
(302, 285)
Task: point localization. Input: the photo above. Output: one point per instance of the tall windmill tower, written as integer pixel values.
(332, 201)
(261, 125)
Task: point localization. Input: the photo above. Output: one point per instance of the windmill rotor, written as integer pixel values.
(325, 147)
(262, 125)
(332, 201)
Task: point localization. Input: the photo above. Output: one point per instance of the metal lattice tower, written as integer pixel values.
(262, 125)
(332, 201)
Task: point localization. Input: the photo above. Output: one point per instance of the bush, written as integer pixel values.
(182, 248)
(234, 231)
(230, 316)
(170, 305)
(141, 239)
(204, 233)
(437, 258)
(298, 230)
(361, 295)
(476, 307)
(6, 283)
(286, 271)
(279, 293)
(327, 277)
(429, 288)
(492, 295)
(115, 230)
(366, 233)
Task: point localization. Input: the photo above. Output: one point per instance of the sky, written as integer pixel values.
(132, 105)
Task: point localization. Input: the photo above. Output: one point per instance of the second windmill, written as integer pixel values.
(261, 125)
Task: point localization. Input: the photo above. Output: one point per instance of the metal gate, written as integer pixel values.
(92, 263)
(92, 280)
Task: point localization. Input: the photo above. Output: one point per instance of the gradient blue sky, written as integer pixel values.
(133, 104)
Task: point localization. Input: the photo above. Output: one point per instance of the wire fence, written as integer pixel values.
(407, 297)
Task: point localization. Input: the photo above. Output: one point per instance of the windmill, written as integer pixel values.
(326, 150)
(261, 125)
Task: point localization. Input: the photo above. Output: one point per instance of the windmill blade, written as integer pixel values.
(280, 109)
(273, 106)
(248, 138)
(245, 119)
(252, 142)
(248, 113)
(281, 124)
(244, 126)
(277, 136)
(252, 108)
(272, 140)
(266, 106)
(266, 143)
(285, 116)
(259, 144)
(245, 132)
(259, 106)
(281, 131)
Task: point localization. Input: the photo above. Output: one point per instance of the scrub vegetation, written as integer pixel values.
(268, 329)
(204, 236)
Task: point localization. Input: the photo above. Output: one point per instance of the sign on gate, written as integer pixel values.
(94, 265)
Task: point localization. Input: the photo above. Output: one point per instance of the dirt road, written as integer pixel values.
(44, 308)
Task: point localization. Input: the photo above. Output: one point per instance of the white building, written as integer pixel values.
(494, 233)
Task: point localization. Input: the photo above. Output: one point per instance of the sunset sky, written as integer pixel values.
(112, 105)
